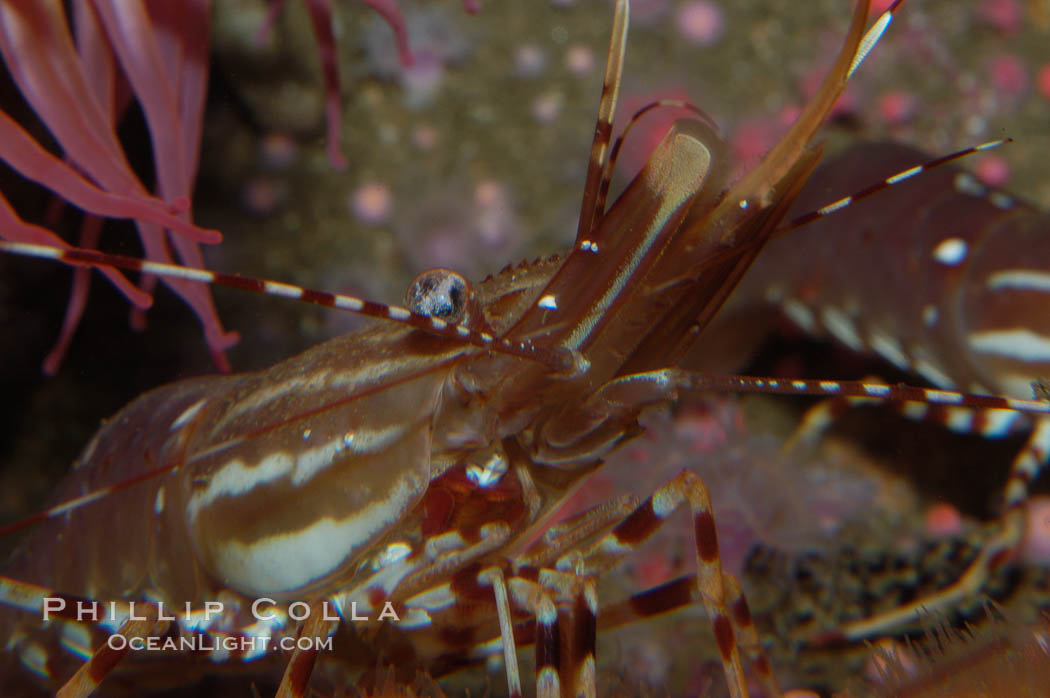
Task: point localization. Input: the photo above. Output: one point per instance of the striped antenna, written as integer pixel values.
(890, 181)
(866, 45)
(872, 37)
(558, 359)
(719, 257)
(593, 206)
(69, 505)
(854, 389)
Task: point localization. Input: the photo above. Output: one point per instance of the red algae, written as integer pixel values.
(80, 84)
(73, 85)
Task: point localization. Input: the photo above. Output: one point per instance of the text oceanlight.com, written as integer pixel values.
(265, 611)
(239, 644)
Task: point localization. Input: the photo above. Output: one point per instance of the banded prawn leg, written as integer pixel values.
(549, 577)
(998, 549)
(965, 309)
(139, 619)
(41, 601)
(717, 591)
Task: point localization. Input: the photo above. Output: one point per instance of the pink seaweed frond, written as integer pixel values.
(320, 12)
(79, 88)
(321, 21)
(390, 12)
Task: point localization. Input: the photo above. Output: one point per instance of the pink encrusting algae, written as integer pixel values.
(701, 22)
(371, 203)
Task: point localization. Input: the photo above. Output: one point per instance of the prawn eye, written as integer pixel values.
(440, 293)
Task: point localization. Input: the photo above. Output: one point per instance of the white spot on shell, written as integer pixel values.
(890, 349)
(548, 302)
(663, 504)
(1021, 344)
(959, 420)
(188, 414)
(966, 183)
(34, 658)
(841, 326)
(488, 473)
(950, 251)
(799, 314)
(395, 552)
(998, 423)
(1025, 279)
(933, 373)
(915, 410)
(1001, 201)
(76, 639)
(930, 315)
